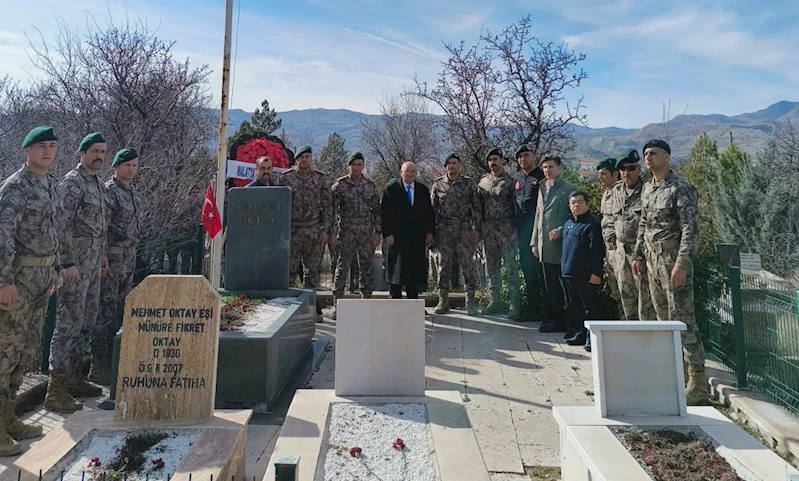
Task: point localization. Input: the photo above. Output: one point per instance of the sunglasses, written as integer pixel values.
(628, 167)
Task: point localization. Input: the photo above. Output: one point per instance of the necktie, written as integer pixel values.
(408, 190)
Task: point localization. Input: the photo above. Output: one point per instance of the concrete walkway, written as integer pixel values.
(509, 374)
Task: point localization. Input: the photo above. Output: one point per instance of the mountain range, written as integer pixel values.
(749, 131)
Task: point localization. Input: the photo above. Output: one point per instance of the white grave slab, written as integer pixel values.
(637, 368)
(380, 347)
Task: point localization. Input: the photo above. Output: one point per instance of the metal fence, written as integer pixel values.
(751, 326)
(177, 252)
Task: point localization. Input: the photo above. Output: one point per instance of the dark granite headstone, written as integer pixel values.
(257, 248)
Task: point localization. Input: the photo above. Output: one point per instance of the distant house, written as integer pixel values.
(587, 168)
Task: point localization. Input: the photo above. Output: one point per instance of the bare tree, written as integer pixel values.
(405, 132)
(509, 88)
(124, 81)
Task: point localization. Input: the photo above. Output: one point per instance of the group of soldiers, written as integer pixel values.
(76, 236)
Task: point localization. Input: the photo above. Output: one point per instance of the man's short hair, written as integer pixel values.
(580, 193)
(553, 158)
(263, 157)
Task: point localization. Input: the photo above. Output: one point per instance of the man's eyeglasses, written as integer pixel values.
(628, 167)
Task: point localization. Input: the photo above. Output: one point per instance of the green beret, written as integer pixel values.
(451, 155)
(353, 157)
(494, 151)
(522, 149)
(124, 155)
(303, 149)
(42, 133)
(658, 143)
(608, 164)
(631, 158)
(95, 138)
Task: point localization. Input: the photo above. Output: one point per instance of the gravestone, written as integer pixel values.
(257, 248)
(380, 347)
(168, 356)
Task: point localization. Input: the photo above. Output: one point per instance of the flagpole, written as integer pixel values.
(217, 241)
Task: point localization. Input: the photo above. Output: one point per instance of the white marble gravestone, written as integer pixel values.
(637, 368)
(380, 347)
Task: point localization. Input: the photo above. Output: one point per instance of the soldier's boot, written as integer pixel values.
(443, 302)
(100, 371)
(471, 304)
(16, 428)
(366, 294)
(697, 391)
(336, 296)
(515, 312)
(78, 386)
(58, 398)
(495, 306)
(8, 447)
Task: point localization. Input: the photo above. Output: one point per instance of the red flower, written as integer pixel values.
(94, 462)
(158, 463)
(355, 452)
(399, 444)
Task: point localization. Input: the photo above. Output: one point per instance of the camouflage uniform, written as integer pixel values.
(607, 222)
(310, 215)
(457, 215)
(84, 227)
(123, 217)
(29, 238)
(356, 211)
(667, 236)
(635, 297)
(497, 197)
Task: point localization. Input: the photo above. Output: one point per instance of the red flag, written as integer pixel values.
(211, 220)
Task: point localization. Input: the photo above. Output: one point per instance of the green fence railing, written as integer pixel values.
(177, 252)
(751, 326)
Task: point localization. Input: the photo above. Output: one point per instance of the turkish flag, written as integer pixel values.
(211, 220)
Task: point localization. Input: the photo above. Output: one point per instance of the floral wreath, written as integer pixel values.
(249, 147)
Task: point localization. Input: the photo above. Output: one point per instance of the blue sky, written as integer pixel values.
(700, 56)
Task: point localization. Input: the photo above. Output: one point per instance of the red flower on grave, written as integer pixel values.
(399, 444)
(355, 452)
(94, 462)
(158, 463)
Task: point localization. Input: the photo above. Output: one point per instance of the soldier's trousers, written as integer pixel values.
(113, 290)
(635, 297)
(532, 271)
(456, 239)
(358, 244)
(675, 304)
(612, 280)
(501, 248)
(307, 253)
(21, 326)
(78, 306)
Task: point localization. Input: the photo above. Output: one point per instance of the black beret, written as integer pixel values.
(522, 149)
(303, 149)
(494, 151)
(42, 133)
(658, 143)
(124, 155)
(353, 157)
(631, 158)
(94, 138)
(608, 164)
(451, 155)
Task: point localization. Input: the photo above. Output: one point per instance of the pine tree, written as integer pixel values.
(262, 121)
(700, 170)
(333, 159)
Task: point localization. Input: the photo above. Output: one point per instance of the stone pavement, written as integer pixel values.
(509, 374)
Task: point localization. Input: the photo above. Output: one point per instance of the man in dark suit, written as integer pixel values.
(408, 225)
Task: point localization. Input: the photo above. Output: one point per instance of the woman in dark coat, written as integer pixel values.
(408, 226)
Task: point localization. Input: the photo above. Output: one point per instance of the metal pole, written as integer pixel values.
(216, 242)
(739, 333)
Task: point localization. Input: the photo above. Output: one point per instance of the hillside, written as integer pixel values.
(749, 130)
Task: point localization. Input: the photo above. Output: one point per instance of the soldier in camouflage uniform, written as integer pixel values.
(667, 236)
(356, 211)
(608, 177)
(83, 258)
(458, 227)
(29, 238)
(497, 196)
(635, 298)
(311, 218)
(123, 217)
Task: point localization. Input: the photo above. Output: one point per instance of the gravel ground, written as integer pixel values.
(263, 316)
(374, 428)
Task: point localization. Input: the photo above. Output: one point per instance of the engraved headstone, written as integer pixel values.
(168, 356)
(257, 248)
